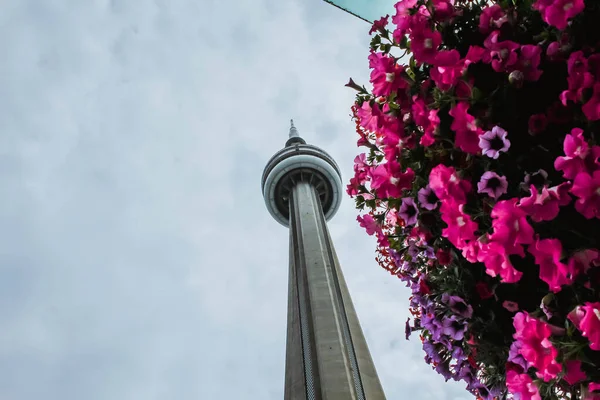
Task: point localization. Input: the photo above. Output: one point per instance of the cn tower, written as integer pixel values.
(327, 357)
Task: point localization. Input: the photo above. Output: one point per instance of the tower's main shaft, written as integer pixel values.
(327, 356)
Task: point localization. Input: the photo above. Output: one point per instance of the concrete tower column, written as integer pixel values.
(327, 357)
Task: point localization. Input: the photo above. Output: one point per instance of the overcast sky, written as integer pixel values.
(137, 259)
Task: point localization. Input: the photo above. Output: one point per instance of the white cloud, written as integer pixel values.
(137, 260)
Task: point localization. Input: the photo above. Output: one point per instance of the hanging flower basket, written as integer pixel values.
(480, 179)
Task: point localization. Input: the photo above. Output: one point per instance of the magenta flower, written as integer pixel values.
(503, 55)
(547, 254)
(587, 319)
(408, 211)
(461, 228)
(579, 78)
(591, 109)
(388, 180)
(492, 17)
(536, 347)
(492, 184)
(386, 74)
(529, 62)
(545, 206)
(583, 260)
(426, 119)
(495, 258)
(369, 117)
(424, 43)
(379, 25)
(427, 199)
(558, 12)
(465, 127)
(574, 374)
(522, 386)
(447, 69)
(511, 228)
(446, 184)
(368, 222)
(443, 10)
(494, 142)
(579, 156)
(402, 18)
(586, 188)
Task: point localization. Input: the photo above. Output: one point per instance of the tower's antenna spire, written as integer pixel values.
(293, 130)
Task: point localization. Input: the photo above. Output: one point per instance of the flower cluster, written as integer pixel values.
(480, 179)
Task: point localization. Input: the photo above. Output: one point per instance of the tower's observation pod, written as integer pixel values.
(300, 162)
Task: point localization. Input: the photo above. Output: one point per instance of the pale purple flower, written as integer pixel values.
(465, 372)
(413, 250)
(432, 352)
(407, 329)
(538, 179)
(458, 305)
(427, 199)
(494, 142)
(492, 184)
(408, 211)
(458, 354)
(453, 328)
(443, 369)
(515, 357)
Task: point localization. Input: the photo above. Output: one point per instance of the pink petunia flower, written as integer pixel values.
(369, 116)
(388, 180)
(492, 184)
(579, 78)
(408, 211)
(467, 132)
(547, 254)
(587, 319)
(586, 188)
(521, 386)
(503, 54)
(461, 228)
(583, 260)
(558, 12)
(511, 228)
(443, 10)
(573, 372)
(424, 43)
(447, 69)
(580, 157)
(591, 109)
(495, 258)
(529, 62)
(536, 347)
(446, 184)
(492, 17)
(368, 222)
(386, 74)
(379, 25)
(361, 174)
(545, 206)
(494, 142)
